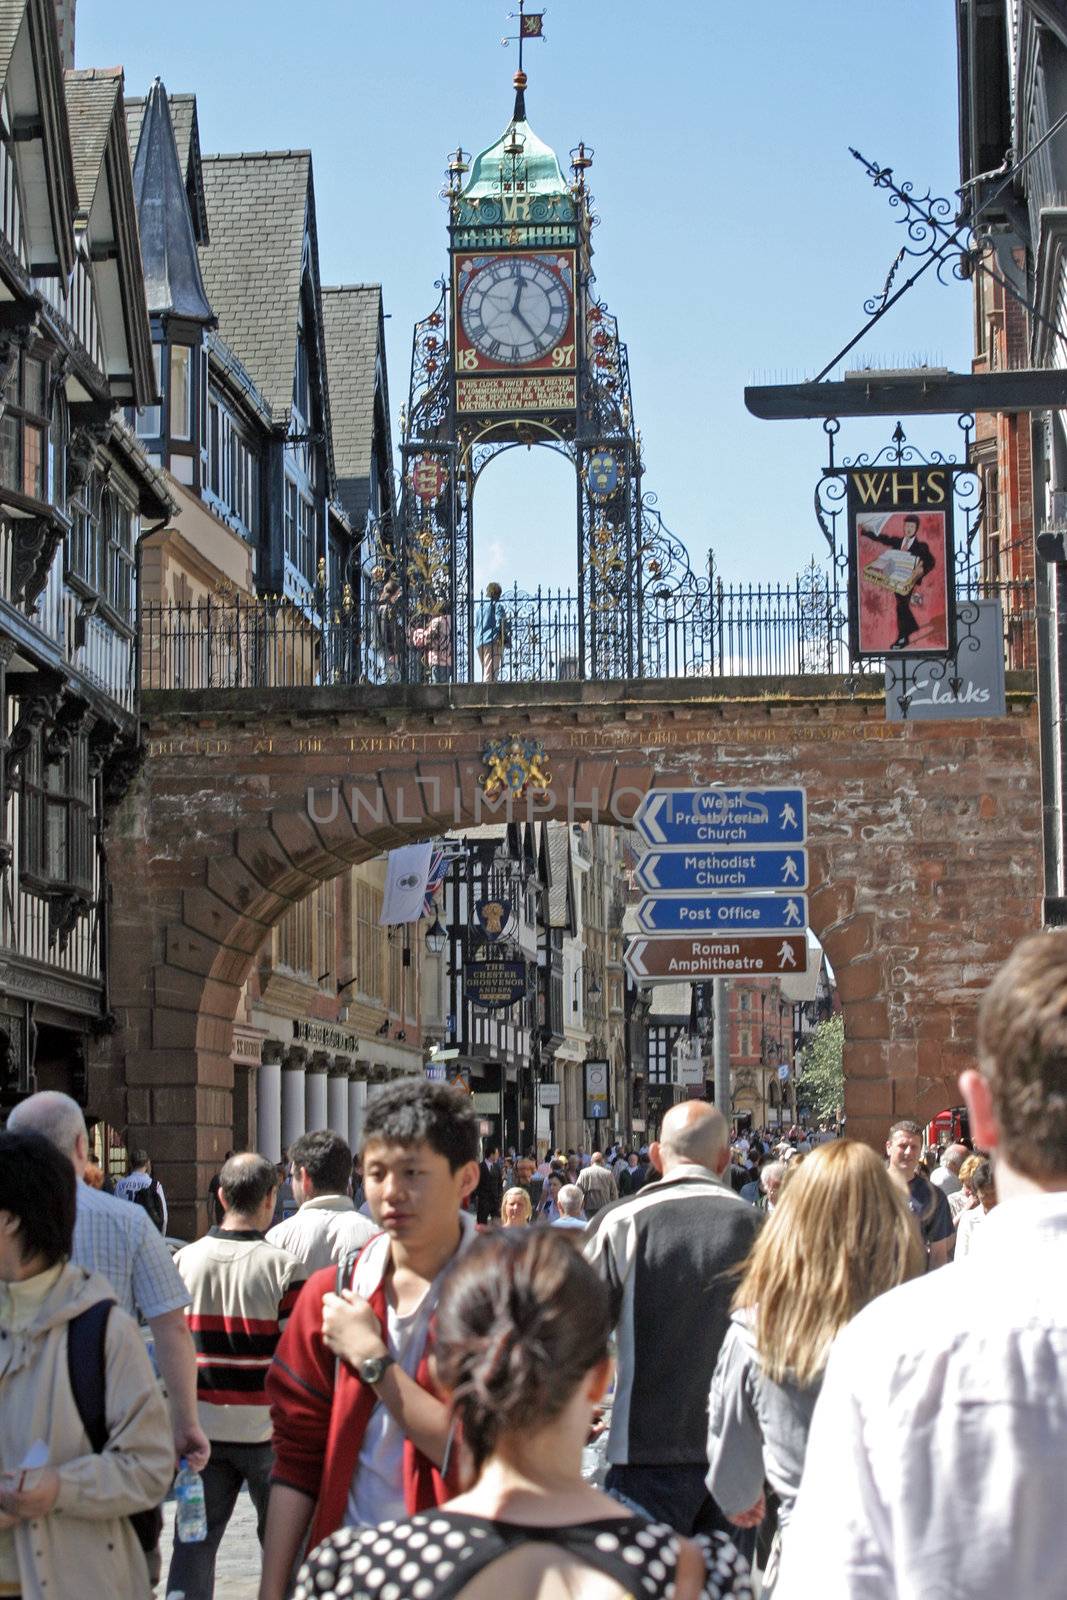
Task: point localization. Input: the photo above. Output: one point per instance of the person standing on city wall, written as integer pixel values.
(938, 1449)
(65, 1499)
(493, 633)
(667, 1253)
(360, 1433)
(243, 1291)
(118, 1240)
(327, 1227)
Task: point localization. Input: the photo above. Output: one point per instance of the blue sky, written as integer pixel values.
(738, 238)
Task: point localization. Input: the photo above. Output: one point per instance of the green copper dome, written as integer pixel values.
(543, 174)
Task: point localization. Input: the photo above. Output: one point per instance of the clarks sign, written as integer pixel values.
(973, 687)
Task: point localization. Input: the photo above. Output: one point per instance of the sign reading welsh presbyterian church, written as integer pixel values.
(901, 561)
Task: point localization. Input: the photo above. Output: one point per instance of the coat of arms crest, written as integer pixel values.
(514, 765)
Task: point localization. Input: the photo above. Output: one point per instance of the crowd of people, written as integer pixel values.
(806, 1365)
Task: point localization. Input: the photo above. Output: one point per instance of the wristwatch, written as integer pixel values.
(373, 1370)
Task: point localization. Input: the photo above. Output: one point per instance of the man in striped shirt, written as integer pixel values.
(242, 1290)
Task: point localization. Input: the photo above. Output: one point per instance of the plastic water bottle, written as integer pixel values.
(190, 1520)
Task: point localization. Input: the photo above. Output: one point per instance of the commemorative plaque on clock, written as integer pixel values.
(515, 331)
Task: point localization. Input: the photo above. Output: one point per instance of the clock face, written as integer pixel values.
(515, 310)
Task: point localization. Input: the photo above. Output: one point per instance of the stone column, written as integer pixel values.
(337, 1095)
(293, 1073)
(315, 1091)
(269, 1105)
(357, 1104)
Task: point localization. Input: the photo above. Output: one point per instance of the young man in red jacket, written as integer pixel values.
(359, 1433)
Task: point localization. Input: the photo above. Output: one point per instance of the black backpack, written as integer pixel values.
(87, 1371)
(147, 1196)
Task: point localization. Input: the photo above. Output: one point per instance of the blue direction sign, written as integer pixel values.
(760, 913)
(722, 816)
(723, 871)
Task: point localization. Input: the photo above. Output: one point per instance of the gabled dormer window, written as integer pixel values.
(24, 430)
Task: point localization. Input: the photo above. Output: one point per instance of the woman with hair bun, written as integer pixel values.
(523, 1354)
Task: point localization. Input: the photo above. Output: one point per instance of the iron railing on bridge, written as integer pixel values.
(766, 630)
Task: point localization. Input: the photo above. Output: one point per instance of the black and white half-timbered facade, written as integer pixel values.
(76, 490)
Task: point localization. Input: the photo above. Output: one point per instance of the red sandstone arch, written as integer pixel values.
(925, 845)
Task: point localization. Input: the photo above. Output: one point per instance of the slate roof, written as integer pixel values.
(558, 852)
(11, 15)
(257, 206)
(173, 283)
(187, 138)
(91, 97)
(351, 315)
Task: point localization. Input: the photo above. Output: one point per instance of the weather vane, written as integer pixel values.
(531, 26)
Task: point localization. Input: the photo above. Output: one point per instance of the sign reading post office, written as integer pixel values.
(901, 561)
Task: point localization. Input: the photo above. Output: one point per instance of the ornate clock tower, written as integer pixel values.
(520, 351)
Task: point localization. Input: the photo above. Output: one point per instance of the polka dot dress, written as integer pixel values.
(435, 1555)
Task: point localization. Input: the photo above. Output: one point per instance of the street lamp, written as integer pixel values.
(436, 937)
(593, 990)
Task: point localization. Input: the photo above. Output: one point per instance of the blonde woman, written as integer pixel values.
(516, 1208)
(840, 1235)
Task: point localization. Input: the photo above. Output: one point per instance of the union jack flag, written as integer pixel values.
(434, 879)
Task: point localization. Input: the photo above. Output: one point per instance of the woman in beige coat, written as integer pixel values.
(64, 1510)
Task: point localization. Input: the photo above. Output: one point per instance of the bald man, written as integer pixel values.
(667, 1253)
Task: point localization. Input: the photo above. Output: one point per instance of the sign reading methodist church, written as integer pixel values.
(901, 561)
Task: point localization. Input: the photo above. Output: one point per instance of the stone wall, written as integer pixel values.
(925, 842)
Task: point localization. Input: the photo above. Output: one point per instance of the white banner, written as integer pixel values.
(405, 884)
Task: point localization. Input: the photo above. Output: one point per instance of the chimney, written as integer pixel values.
(65, 26)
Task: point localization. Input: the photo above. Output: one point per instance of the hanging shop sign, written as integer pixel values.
(971, 686)
(901, 561)
(493, 985)
(493, 918)
(596, 1091)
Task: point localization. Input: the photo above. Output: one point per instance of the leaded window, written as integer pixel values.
(24, 430)
(56, 819)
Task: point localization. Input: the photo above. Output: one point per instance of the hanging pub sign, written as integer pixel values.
(901, 561)
(493, 918)
(492, 985)
(596, 1091)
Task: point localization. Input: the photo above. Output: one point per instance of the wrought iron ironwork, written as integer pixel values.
(948, 236)
(631, 568)
(712, 630)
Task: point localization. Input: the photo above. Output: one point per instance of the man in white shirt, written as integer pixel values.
(327, 1227)
(946, 1177)
(922, 1397)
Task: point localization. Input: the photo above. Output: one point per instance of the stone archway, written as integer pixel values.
(925, 846)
